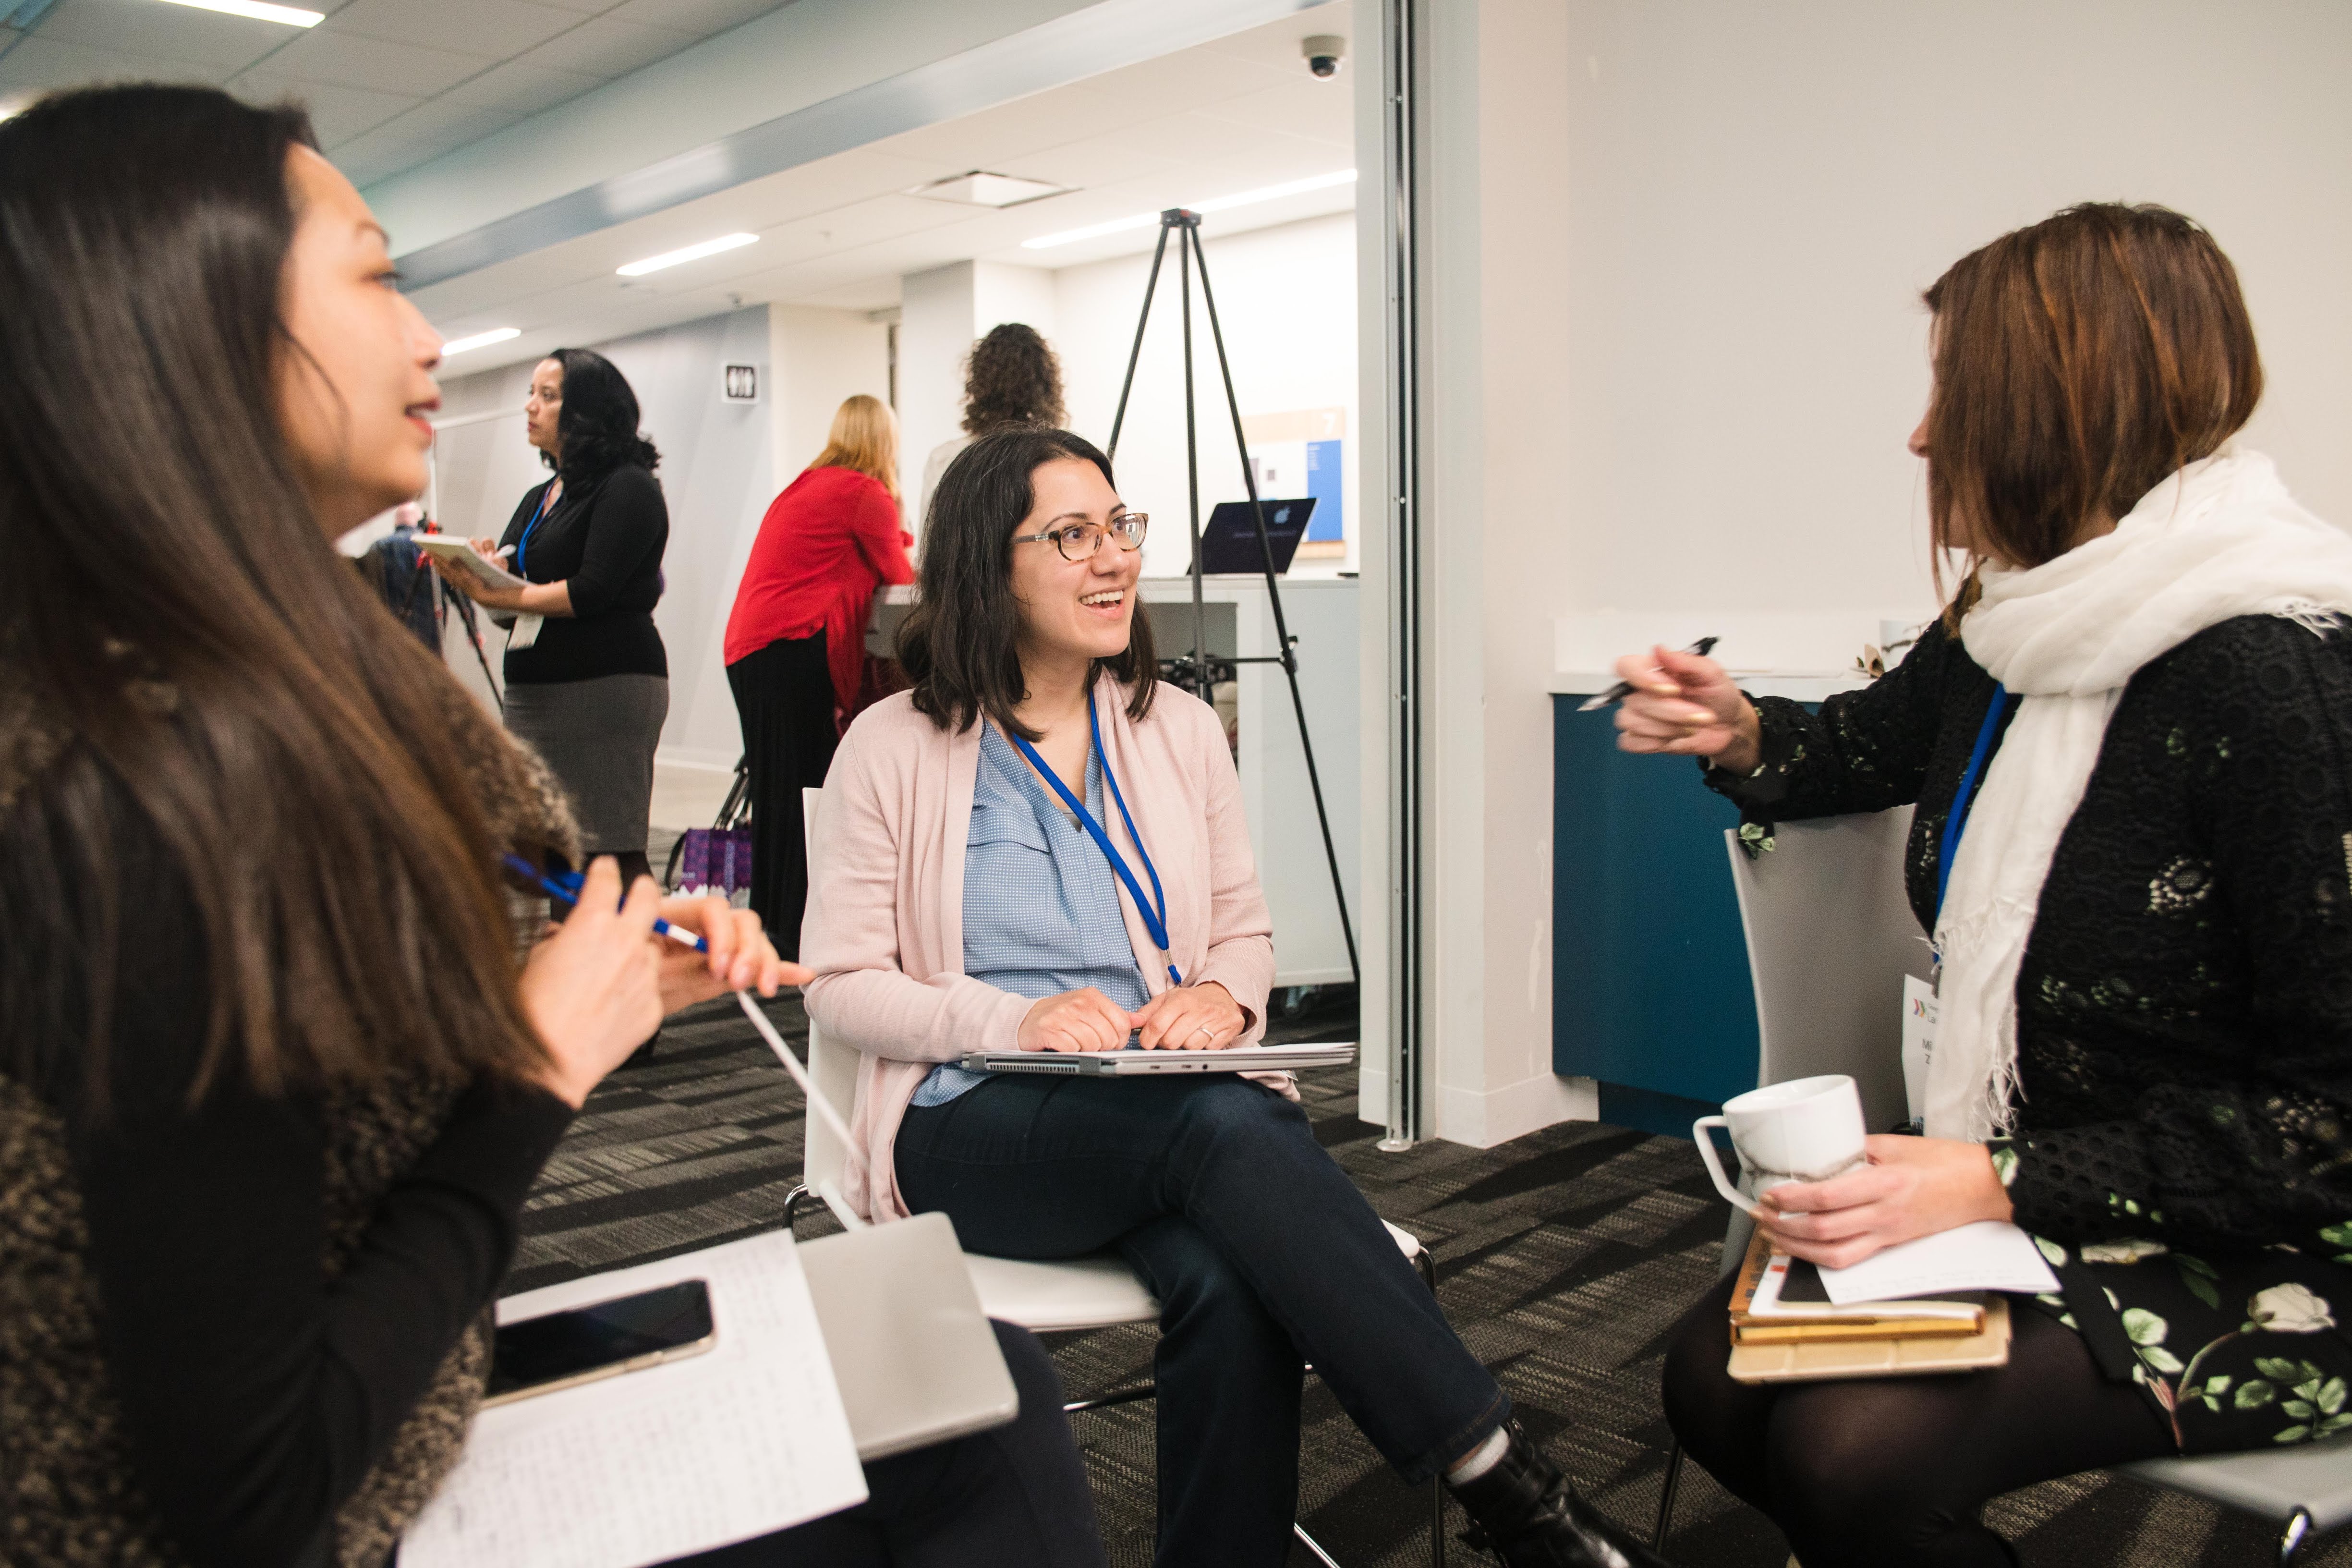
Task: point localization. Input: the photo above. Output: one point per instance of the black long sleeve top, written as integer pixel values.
(605, 537)
(258, 1391)
(2185, 1004)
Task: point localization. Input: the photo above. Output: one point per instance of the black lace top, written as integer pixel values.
(2184, 1003)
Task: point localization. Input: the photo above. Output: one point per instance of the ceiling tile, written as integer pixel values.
(445, 123)
(347, 59)
(521, 90)
(994, 139)
(380, 153)
(1189, 138)
(1327, 118)
(337, 113)
(47, 63)
(602, 46)
(1276, 46)
(701, 17)
(497, 28)
(166, 32)
(1083, 165)
(1187, 80)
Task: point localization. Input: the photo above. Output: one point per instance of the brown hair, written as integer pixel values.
(2078, 363)
(209, 666)
(1012, 378)
(959, 645)
(864, 437)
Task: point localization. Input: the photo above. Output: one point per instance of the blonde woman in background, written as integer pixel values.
(796, 640)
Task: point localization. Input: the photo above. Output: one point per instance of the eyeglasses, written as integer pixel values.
(1079, 540)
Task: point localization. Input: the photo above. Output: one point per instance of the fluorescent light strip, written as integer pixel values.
(290, 15)
(480, 340)
(691, 253)
(1220, 203)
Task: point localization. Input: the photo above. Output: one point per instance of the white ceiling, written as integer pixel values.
(390, 83)
(1234, 115)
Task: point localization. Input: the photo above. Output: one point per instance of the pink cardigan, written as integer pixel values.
(883, 927)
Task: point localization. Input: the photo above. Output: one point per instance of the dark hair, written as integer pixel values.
(959, 645)
(597, 427)
(1012, 378)
(2078, 363)
(191, 646)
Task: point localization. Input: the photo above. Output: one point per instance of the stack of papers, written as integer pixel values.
(1932, 1288)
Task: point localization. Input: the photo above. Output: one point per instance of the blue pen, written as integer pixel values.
(554, 888)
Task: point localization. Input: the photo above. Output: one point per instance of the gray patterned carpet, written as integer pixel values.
(1565, 1256)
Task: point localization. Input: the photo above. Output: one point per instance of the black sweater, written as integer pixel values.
(606, 538)
(257, 1391)
(2185, 1005)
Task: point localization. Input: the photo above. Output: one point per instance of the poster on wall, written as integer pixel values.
(1302, 452)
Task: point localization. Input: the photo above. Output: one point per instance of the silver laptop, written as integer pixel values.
(913, 1354)
(1134, 1063)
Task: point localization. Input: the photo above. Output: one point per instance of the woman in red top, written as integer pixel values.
(796, 641)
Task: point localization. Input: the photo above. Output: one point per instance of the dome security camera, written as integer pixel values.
(1323, 52)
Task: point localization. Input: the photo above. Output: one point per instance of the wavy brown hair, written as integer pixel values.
(960, 645)
(1013, 377)
(2079, 362)
(213, 677)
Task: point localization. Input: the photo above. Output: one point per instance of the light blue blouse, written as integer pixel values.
(1041, 912)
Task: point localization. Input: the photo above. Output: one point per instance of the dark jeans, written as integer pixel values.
(784, 698)
(1892, 1473)
(1013, 1497)
(1264, 1257)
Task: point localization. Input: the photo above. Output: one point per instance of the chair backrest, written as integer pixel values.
(1829, 936)
(833, 1069)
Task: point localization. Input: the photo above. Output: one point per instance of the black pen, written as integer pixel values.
(1624, 688)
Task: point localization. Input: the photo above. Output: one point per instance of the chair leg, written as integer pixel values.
(1315, 1546)
(2292, 1538)
(1666, 1494)
(792, 1201)
(1426, 1263)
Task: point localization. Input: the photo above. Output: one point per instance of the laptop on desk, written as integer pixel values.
(1132, 1063)
(1229, 539)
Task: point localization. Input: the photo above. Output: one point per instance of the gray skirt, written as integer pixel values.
(598, 739)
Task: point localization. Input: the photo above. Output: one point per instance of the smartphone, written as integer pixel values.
(628, 1333)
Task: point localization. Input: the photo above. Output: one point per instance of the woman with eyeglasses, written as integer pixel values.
(963, 901)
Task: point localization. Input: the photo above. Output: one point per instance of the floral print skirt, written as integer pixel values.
(2236, 1351)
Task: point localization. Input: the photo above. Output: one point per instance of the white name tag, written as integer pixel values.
(525, 631)
(1919, 1041)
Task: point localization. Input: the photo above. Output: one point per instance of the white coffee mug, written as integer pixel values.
(1806, 1130)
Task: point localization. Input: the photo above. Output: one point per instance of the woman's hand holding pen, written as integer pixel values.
(592, 988)
(1684, 703)
(1203, 1018)
(742, 958)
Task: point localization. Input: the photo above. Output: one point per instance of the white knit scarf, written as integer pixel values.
(2218, 539)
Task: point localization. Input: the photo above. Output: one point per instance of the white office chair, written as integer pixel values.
(1829, 936)
(1096, 1292)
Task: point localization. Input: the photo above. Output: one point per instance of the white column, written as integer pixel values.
(941, 312)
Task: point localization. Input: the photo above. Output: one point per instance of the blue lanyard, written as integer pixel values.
(546, 503)
(1964, 799)
(1154, 913)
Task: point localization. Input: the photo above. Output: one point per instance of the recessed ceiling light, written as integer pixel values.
(480, 340)
(980, 189)
(691, 253)
(1217, 204)
(290, 15)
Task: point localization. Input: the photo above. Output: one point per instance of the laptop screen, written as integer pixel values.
(1229, 539)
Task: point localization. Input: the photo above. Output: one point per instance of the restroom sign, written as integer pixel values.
(739, 384)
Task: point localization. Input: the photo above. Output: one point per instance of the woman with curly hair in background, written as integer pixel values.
(1013, 377)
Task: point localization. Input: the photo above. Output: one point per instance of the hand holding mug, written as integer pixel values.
(1684, 704)
(1910, 1187)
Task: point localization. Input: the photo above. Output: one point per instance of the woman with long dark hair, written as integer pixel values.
(587, 679)
(272, 1081)
(1012, 377)
(2130, 744)
(795, 644)
(962, 904)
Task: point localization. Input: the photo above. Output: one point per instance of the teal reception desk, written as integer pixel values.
(1650, 985)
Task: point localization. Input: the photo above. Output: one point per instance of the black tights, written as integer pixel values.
(1893, 1471)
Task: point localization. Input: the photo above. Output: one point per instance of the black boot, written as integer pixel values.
(1526, 1513)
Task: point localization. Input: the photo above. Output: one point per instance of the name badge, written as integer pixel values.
(1918, 1042)
(525, 631)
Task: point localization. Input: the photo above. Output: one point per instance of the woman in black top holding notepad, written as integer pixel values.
(587, 680)
(2129, 744)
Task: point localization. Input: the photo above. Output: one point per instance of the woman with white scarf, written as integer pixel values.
(2130, 744)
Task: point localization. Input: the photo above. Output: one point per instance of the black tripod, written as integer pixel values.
(1197, 672)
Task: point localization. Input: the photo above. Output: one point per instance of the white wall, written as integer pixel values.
(1676, 254)
(941, 313)
(822, 358)
(1287, 299)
